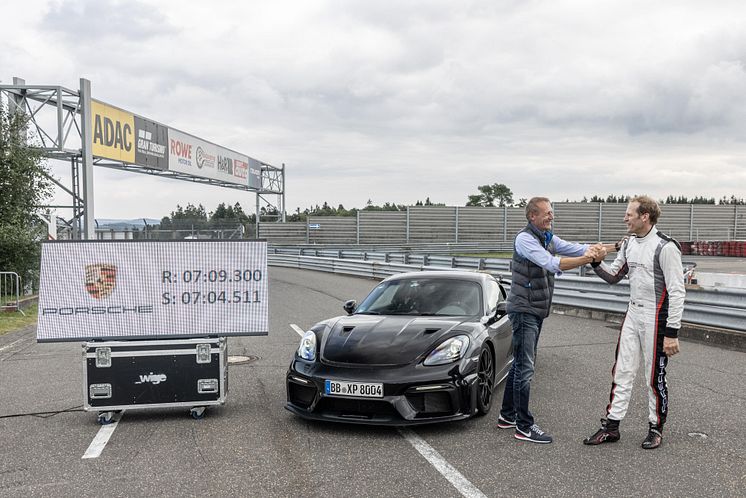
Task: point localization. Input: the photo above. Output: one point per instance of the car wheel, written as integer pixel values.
(485, 381)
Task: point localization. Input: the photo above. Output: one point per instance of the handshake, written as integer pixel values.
(597, 252)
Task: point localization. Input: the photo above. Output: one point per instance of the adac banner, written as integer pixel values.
(122, 136)
(190, 155)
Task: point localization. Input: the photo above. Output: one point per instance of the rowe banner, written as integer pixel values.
(191, 155)
(152, 290)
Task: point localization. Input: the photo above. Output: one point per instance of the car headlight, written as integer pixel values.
(448, 351)
(307, 348)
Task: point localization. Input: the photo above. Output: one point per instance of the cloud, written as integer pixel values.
(95, 21)
(405, 100)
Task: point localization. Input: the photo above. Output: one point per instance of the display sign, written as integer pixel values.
(188, 154)
(152, 289)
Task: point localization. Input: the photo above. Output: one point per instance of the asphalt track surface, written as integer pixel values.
(253, 447)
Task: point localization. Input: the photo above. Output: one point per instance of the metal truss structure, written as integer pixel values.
(60, 120)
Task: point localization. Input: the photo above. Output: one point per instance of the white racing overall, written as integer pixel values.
(656, 281)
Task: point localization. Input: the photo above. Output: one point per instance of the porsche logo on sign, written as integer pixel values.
(100, 280)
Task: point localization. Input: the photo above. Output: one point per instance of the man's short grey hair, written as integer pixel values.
(532, 206)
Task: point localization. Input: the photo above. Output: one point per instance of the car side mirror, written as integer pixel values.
(502, 308)
(500, 311)
(349, 306)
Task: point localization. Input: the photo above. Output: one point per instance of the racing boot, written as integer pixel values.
(608, 433)
(655, 437)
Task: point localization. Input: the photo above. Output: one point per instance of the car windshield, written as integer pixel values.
(426, 296)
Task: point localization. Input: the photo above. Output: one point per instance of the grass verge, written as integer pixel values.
(14, 320)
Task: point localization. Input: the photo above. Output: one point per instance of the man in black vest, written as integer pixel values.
(534, 265)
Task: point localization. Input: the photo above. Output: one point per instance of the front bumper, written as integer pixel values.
(412, 394)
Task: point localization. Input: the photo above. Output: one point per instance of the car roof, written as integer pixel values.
(445, 274)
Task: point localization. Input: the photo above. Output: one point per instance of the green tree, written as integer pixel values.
(488, 194)
(191, 217)
(25, 185)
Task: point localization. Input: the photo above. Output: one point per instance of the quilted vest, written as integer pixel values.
(531, 286)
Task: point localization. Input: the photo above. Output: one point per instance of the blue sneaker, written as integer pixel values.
(534, 434)
(504, 423)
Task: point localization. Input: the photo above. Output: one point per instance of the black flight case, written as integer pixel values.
(120, 375)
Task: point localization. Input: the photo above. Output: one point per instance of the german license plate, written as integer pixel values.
(357, 389)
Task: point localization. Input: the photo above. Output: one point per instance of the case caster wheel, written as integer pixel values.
(198, 412)
(105, 418)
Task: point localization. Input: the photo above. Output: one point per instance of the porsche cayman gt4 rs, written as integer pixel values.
(421, 347)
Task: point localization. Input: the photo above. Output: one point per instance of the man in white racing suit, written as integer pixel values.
(652, 261)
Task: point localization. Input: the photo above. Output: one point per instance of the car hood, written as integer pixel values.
(384, 340)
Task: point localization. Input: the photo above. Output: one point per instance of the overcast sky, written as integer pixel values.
(396, 101)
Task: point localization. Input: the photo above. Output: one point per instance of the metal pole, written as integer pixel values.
(256, 227)
(74, 176)
(505, 223)
(15, 102)
(600, 218)
(691, 221)
(407, 224)
(735, 220)
(358, 227)
(283, 192)
(86, 142)
(456, 224)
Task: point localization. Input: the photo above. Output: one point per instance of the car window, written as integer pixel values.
(427, 296)
(492, 289)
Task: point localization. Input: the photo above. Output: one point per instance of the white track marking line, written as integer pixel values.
(8, 346)
(447, 470)
(99, 442)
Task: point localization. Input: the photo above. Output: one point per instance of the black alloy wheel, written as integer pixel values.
(485, 381)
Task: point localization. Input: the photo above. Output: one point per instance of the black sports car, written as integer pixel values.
(422, 347)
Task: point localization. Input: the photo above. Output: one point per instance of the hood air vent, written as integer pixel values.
(431, 330)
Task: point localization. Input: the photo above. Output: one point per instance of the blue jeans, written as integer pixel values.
(526, 330)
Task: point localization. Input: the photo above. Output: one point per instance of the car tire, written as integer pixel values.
(485, 381)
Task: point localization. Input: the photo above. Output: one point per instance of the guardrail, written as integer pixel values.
(10, 292)
(721, 308)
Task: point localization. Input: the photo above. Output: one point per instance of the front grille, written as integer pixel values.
(364, 408)
(301, 395)
(431, 404)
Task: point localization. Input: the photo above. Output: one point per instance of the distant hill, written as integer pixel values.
(125, 224)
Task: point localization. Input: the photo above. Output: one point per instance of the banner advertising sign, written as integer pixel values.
(152, 289)
(151, 144)
(188, 154)
(113, 133)
(122, 136)
(255, 174)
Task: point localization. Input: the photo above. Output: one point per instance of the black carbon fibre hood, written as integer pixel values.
(383, 340)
